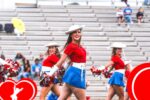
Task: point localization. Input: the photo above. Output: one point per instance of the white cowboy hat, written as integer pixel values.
(52, 44)
(118, 45)
(74, 28)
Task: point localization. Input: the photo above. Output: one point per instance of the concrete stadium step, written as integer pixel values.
(37, 43)
(37, 48)
(146, 48)
(137, 58)
(139, 29)
(54, 10)
(96, 43)
(78, 15)
(79, 10)
(15, 42)
(7, 10)
(38, 38)
(30, 14)
(51, 7)
(48, 23)
(88, 24)
(37, 28)
(143, 39)
(108, 53)
(141, 34)
(93, 33)
(56, 14)
(29, 57)
(147, 54)
(120, 39)
(28, 10)
(37, 33)
(85, 38)
(76, 7)
(13, 47)
(54, 19)
(144, 43)
(130, 44)
(84, 19)
(8, 14)
(117, 34)
(105, 15)
(33, 19)
(6, 19)
(90, 38)
(85, 33)
(98, 11)
(133, 49)
(117, 29)
(15, 52)
(59, 24)
(92, 29)
(40, 24)
(100, 58)
(11, 38)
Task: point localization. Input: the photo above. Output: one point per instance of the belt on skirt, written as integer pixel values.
(80, 66)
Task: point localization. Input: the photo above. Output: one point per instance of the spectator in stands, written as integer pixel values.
(127, 15)
(74, 77)
(116, 81)
(53, 56)
(36, 68)
(147, 2)
(25, 69)
(19, 58)
(139, 15)
(119, 14)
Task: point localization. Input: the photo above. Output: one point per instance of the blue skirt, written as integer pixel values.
(117, 79)
(75, 77)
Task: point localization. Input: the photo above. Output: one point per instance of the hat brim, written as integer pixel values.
(117, 46)
(51, 45)
(70, 31)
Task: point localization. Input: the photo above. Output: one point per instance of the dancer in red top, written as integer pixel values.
(74, 77)
(116, 81)
(53, 56)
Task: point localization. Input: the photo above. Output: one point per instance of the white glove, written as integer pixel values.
(66, 65)
(53, 70)
(127, 62)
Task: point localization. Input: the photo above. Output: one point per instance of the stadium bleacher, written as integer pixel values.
(48, 23)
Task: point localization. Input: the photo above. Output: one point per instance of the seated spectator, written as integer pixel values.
(36, 68)
(127, 15)
(19, 58)
(147, 2)
(139, 15)
(119, 14)
(25, 70)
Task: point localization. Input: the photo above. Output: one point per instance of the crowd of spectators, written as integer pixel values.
(126, 15)
(28, 70)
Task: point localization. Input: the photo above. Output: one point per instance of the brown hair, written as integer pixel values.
(114, 51)
(69, 40)
(57, 51)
